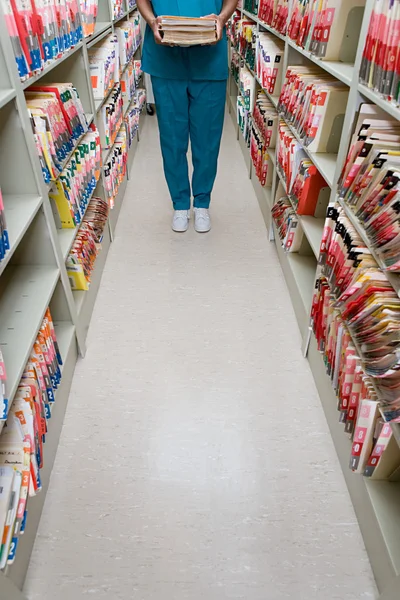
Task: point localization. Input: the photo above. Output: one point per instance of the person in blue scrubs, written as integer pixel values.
(189, 86)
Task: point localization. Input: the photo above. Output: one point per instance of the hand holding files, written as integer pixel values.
(219, 24)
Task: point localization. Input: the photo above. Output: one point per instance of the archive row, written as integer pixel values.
(71, 108)
(324, 164)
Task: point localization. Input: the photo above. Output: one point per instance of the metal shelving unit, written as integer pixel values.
(376, 503)
(33, 275)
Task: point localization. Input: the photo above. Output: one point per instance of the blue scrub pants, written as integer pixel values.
(190, 109)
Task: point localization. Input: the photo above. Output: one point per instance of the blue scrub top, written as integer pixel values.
(195, 62)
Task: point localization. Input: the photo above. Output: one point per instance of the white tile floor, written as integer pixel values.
(195, 461)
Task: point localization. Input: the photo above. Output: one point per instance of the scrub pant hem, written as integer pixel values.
(181, 205)
(202, 202)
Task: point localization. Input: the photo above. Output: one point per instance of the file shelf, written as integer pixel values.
(114, 214)
(20, 212)
(33, 274)
(312, 226)
(66, 236)
(272, 155)
(389, 107)
(100, 31)
(233, 109)
(376, 503)
(121, 17)
(325, 163)
(245, 151)
(6, 96)
(393, 278)
(299, 271)
(264, 195)
(339, 70)
(32, 80)
(84, 301)
(342, 71)
(131, 154)
(66, 338)
(24, 297)
(89, 118)
(270, 29)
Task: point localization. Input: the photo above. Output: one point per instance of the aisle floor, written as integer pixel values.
(195, 461)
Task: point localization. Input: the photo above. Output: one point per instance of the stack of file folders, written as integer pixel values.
(312, 102)
(304, 184)
(251, 6)
(23, 434)
(58, 121)
(368, 306)
(82, 256)
(263, 136)
(269, 62)
(187, 31)
(129, 38)
(247, 36)
(287, 223)
(118, 8)
(232, 28)
(72, 191)
(4, 240)
(132, 115)
(247, 87)
(259, 156)
(235, 65)
(89, 10)
(97, 215)
(274, 13)
(245, 101)
(41, 32)
(327, 28)
(129, 82)
(115, 167)
(128, 86)
(104, 66)
(3, 396)
(374, 451)
(112, 116)
(370, 182)
(380, 65)
(243, 118)
(266, 119)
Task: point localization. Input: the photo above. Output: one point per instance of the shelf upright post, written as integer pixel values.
(391, 592)
(8, 590)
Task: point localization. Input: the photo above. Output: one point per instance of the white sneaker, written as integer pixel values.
(202, 221)
(180, 221)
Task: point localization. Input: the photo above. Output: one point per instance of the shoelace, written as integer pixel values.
(202, 213)
(181, 214)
